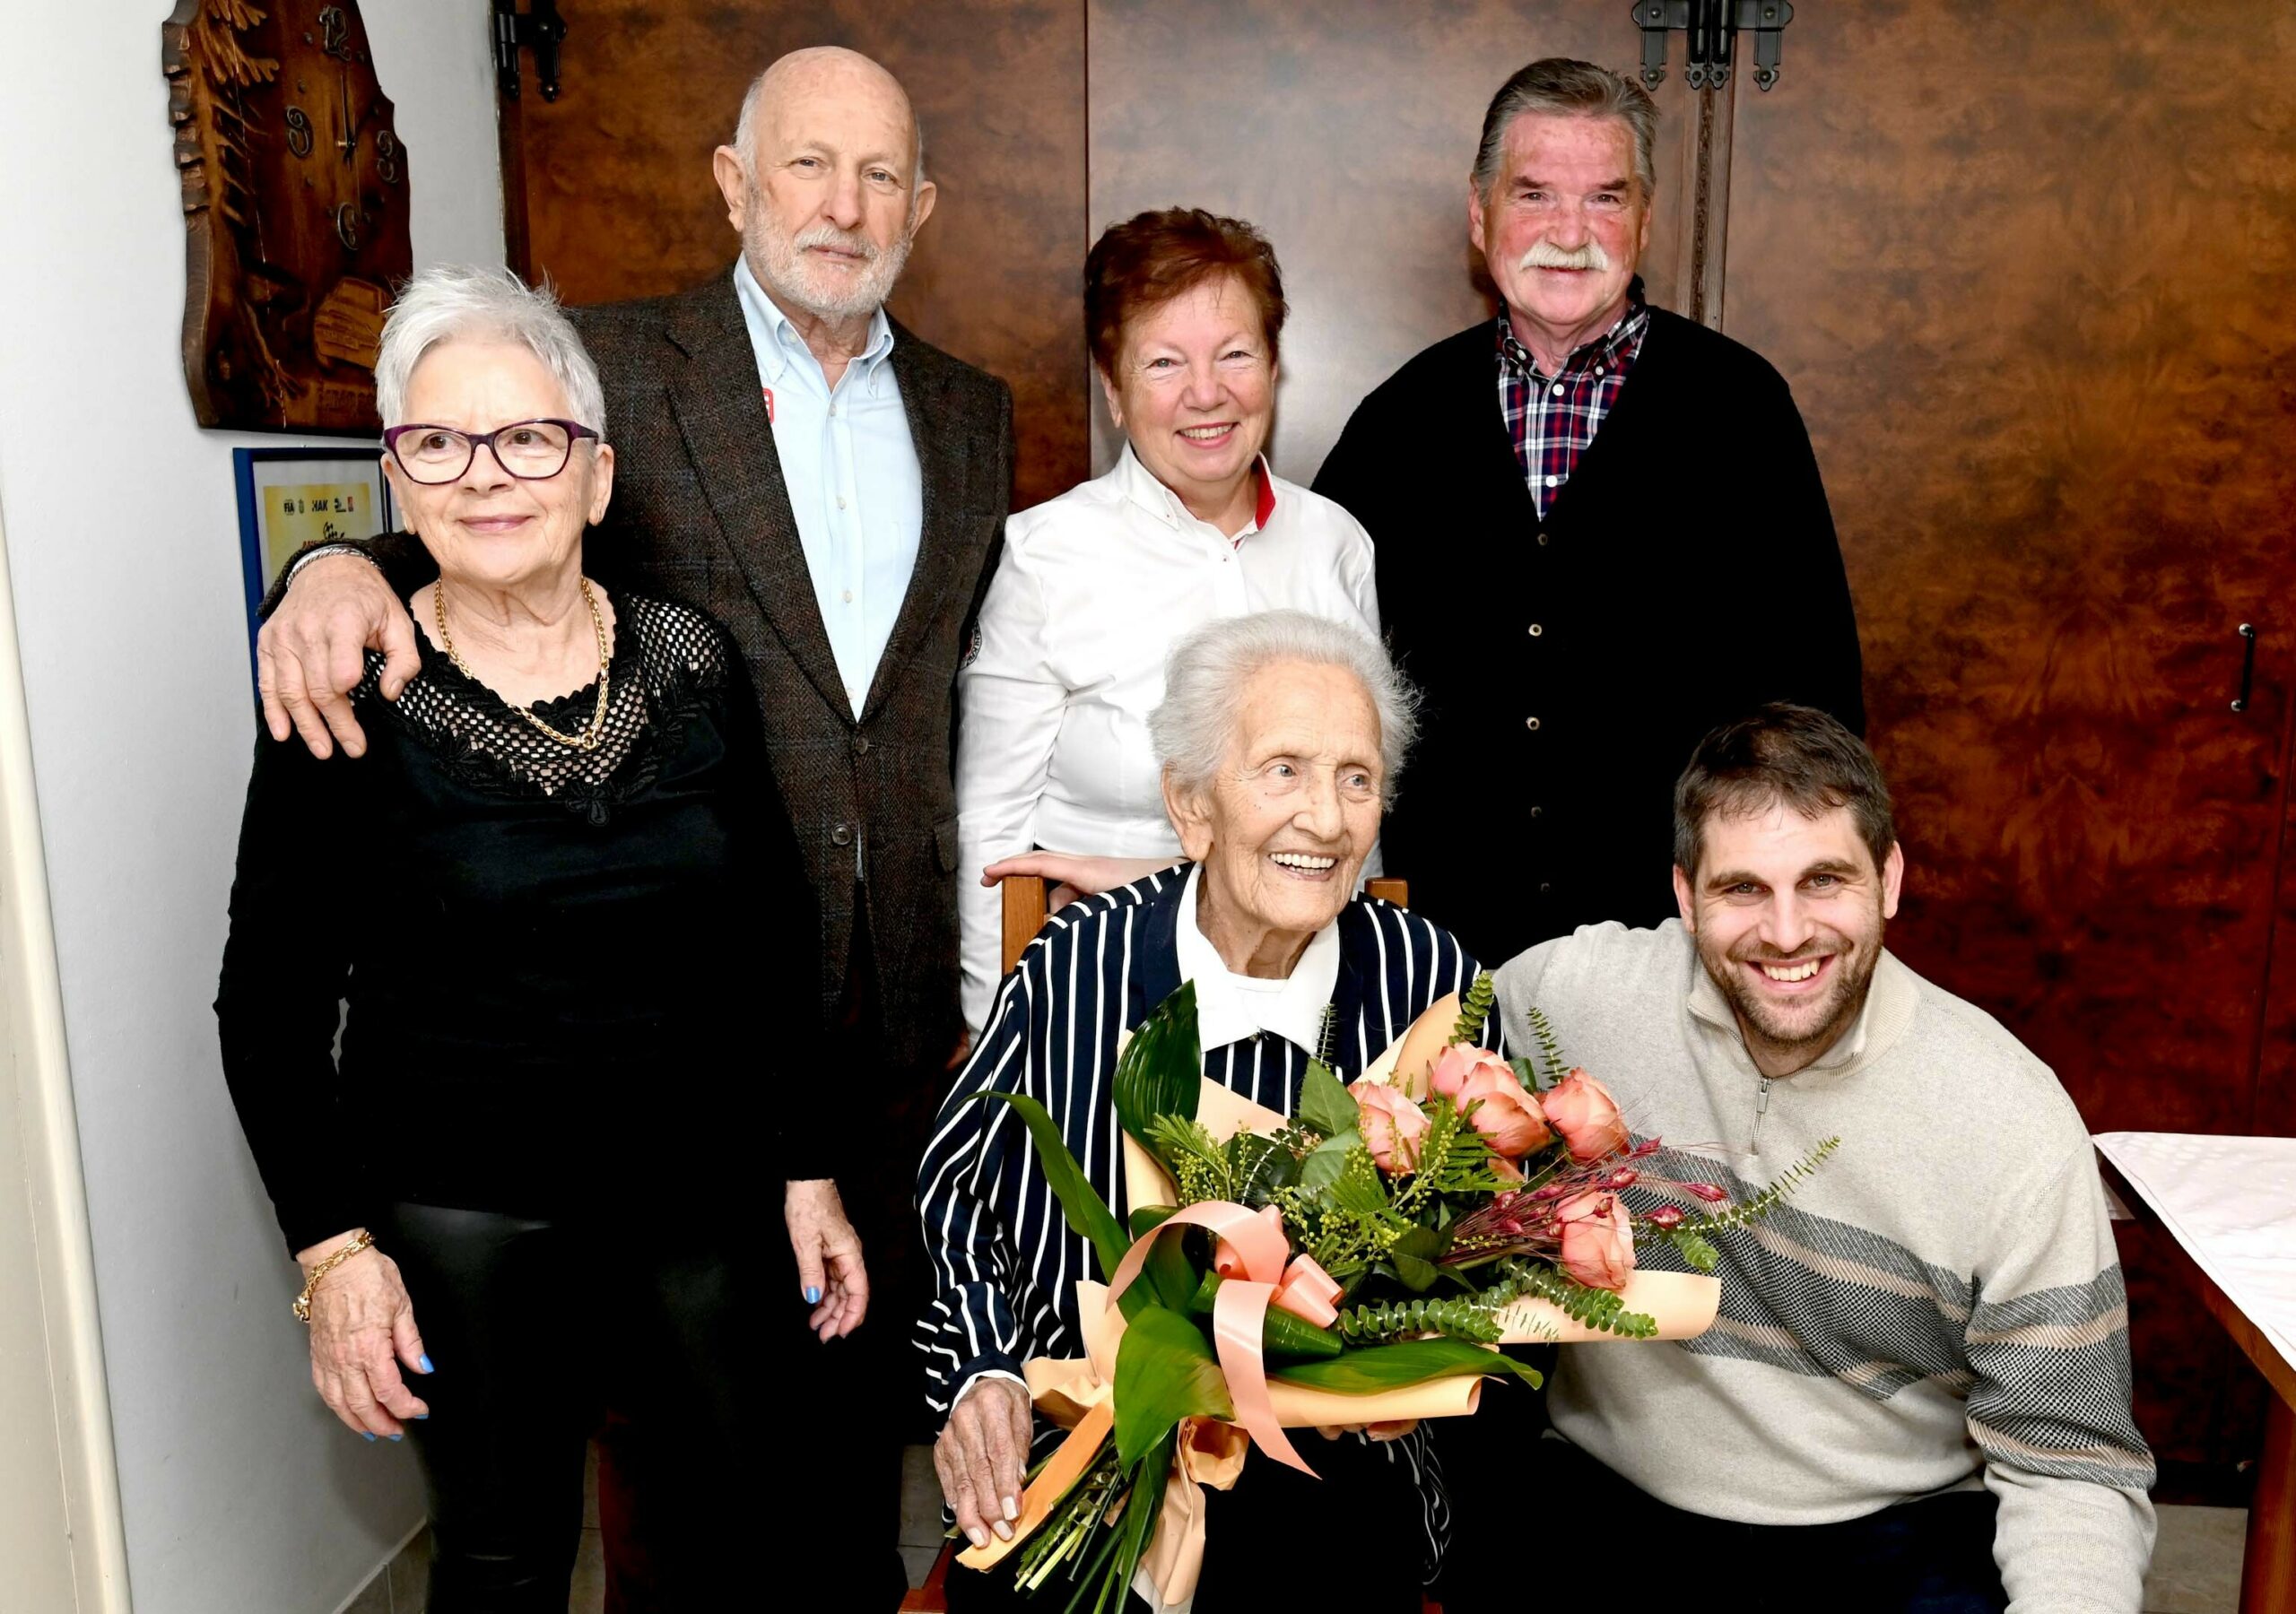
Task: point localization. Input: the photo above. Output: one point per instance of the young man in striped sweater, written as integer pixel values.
(1916, 1394)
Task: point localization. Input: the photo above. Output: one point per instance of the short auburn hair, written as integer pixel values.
(1152, 257)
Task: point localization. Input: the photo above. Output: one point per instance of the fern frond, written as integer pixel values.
(1594, 1307)
(1474, 1008)
(1456, 1319)
(1693, 1248)
(1553, 1066)
(1767, 1200)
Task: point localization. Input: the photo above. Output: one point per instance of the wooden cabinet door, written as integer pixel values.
(2027, 270)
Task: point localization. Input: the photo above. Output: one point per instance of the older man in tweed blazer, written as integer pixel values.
(723, 482)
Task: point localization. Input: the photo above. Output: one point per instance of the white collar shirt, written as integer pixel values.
(850, 467)
(1093, 589)
(1231, 1007)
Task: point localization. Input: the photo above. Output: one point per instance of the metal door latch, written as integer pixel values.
(1713, 26)
(539, 29)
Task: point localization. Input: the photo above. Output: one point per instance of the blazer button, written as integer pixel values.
(841, 835)
(1546, 888)
(860, 745)
(1536, 630)
(1531, 723)
(1537, 811)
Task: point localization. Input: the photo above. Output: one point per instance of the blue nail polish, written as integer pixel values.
(812, 1293)
(398, 1437)
(424, 1362)
(369, 1438)
(419, 1416)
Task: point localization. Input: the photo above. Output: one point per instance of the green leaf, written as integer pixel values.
(1258, 1167)
(1168, 1277)
(1398, 1365)
(1281, 1333)
(1526, 1073)
(1087, 1214)
(1163, 1066)
(1165, 1370)
(1414, 1255)
(1324, 1104)
(1321, 1168)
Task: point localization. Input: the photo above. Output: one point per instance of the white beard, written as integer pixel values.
(780, 262)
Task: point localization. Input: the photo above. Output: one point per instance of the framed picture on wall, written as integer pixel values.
(292, 497)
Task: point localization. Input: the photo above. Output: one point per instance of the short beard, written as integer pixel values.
(778, 260)
(1854, 980)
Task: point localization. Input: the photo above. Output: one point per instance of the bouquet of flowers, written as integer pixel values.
(1359, 1262)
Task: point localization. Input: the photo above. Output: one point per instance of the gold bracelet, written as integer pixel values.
(361, 1240)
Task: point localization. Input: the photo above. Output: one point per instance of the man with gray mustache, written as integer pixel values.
(1575, 505)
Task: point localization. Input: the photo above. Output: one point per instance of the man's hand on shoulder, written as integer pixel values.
(310, 655)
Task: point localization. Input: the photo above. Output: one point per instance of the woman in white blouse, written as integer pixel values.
(1183, 310)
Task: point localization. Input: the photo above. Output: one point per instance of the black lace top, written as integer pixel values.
(570, 976)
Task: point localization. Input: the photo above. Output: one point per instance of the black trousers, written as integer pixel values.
(1363, 1509)
(537, 1330)
(1930, 1557)
(840, 1410)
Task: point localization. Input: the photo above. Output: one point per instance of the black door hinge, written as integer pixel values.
(539, 30)
(1713, 26)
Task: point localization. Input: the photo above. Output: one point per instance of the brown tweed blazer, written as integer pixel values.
(701, 516)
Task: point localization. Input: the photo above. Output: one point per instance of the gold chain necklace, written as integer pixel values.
(587, 739)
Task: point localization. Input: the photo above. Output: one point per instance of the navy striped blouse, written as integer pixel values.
(1005, 1264)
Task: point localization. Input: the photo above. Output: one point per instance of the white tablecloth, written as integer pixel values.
(2232, 1203)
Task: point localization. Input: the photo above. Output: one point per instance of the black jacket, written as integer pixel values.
(1687, 573)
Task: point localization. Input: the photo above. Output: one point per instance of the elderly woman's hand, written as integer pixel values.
(362, 1328)
(830, 1267)
(982, 1457)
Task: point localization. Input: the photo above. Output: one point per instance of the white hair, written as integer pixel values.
(462, 303)
(745, 133)
(1207, 670)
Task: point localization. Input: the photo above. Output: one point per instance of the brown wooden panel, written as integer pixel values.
(619, 200)
(1345, 131)
(2274, 1114)
(2026, 268)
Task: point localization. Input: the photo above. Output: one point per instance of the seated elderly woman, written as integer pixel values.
(1183, 309)
(1279, 736)
(568, 823)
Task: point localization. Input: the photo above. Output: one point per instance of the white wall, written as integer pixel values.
(241, 1495)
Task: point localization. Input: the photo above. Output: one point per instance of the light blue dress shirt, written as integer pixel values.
(851, 471)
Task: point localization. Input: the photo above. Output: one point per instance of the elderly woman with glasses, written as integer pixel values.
(522, 1186)
(1279, 736)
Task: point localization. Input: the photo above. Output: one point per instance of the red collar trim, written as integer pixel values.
(1266, 493)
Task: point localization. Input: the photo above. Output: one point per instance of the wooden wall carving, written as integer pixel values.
(295, 211)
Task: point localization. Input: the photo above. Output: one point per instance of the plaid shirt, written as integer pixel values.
(1551, 418)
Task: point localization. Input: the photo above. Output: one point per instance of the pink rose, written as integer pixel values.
(1392, 1126)
(1597, 1239)
(1454, 1064)
(1582, 1110)
(1503, 1112)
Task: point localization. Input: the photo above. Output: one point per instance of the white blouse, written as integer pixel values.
(1095, 588)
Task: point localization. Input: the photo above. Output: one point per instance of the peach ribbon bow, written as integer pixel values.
(1251, 1253)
